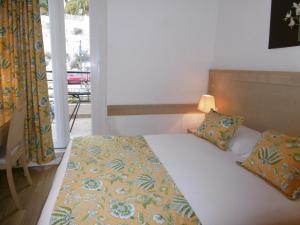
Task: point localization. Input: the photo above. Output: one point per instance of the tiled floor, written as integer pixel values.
(82, 127)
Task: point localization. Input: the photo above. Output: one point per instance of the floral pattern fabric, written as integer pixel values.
(276, 158)
(23, 74)
(218, 128)
(118, 180)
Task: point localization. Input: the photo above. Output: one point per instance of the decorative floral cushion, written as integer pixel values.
(276, 158)
(218, 128)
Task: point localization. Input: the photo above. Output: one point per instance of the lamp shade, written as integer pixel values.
(207, 102)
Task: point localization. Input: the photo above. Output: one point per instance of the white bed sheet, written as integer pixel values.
(220, 191)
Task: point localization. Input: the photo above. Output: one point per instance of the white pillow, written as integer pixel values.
(243, 142)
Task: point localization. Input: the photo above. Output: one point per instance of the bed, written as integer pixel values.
(219, 190)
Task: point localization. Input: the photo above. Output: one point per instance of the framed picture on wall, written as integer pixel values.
(285, 24)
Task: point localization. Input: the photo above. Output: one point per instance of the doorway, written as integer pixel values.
(69, 83)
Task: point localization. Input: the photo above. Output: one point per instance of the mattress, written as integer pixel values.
(220, 191)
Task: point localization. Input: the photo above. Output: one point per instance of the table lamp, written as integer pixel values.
(207, 102)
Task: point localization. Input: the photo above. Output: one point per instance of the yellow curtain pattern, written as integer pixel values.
(23, 74)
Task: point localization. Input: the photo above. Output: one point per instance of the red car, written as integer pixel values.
(78, 78)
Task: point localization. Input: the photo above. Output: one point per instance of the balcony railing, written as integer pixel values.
(78, 81)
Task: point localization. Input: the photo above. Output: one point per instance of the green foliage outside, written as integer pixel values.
(72, 7)
(77, 7)
(44, 7)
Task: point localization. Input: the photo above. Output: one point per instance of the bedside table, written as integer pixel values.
(191, 130)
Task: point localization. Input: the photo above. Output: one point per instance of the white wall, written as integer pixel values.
(243, 35)
(98, 37)
(153, 124)
(158, 52)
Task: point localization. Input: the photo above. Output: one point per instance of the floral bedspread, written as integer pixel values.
(118, 180)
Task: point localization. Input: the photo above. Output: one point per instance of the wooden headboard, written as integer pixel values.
(267, 100)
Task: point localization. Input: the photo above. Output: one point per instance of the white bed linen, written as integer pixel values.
(220, 191)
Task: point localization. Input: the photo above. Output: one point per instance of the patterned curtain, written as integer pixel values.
(23, 74)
